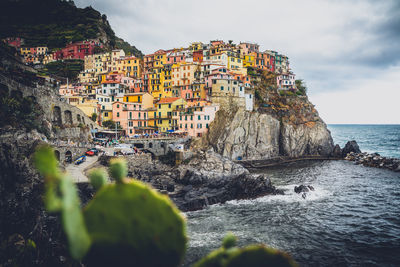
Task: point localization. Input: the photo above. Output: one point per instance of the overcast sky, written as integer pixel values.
(347, 51)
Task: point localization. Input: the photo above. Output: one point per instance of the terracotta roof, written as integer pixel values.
(167, 100)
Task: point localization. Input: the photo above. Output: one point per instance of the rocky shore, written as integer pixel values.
(206, 178)
(374, 160)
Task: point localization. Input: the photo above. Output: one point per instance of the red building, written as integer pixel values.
(76, 50)
(198, 56)
(14, 41)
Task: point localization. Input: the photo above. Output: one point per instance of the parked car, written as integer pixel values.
(80, 160)
(89, 153)
(92, 152)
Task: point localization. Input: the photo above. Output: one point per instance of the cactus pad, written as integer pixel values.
(131, 224)
(254, 255)
(118, 169)
(98, 178)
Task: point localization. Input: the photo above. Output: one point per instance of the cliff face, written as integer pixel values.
(291, 129)
(31, 113)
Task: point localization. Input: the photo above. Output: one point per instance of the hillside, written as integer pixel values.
(54, 23)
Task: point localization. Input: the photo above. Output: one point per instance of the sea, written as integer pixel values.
(351, 219)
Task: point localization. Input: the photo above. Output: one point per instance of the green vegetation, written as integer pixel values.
(125, 224)
(128, 49)
(17, 110)
(68, 68)
(301, 87)
(54, 23)
(93, 117)
(254, 255)
(110, 124)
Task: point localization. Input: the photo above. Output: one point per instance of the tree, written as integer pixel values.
(110, 124)
(93, 116)
(301, 86)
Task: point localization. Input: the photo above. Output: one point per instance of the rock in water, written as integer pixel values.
(351, 146)
(337, 151)
(302, 189)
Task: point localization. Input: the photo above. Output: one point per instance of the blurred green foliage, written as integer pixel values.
(130, 224)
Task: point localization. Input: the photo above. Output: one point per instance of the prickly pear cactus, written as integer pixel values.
(61, 196)
(125, 224)
(254, 255)
(133, 225)
(98, 178)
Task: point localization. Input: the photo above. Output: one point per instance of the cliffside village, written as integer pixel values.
(170, 91)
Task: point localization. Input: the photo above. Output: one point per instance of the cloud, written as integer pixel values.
(331, 44)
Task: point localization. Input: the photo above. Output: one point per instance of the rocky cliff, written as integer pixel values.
(30, 113)
(286, 126)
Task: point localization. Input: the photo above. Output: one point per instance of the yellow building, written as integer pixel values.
(25, 51)
(143, 98)
(152, 117)
(155, 86)
(165, 108)
(234, 61)
(195, 46)
(248, 61)
(130, 66)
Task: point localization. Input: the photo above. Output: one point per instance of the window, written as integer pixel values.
(199, 117)
(117, 114)
(191, 126)
(222, 88)
(117, 105)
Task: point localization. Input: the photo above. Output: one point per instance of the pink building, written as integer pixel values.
(175, 57)
(71, 90)
(196, 120)
(138, 86)
(131, 117)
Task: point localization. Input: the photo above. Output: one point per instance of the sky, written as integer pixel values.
(347, 51)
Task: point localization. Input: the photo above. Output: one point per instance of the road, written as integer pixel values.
(76, 172)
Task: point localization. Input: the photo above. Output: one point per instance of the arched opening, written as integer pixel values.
(57, 116)
(68, 156)
(83, 120)
(150, 145)
(78, 117)
(162, 145)
(57, 154)
(68, 117)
